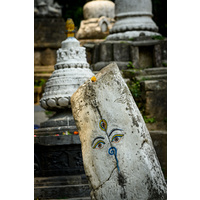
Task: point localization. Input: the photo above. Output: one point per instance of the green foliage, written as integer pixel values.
(164, 64)
(149, 120)
(38, 83)
(132, 39)
(135, 89)
(130, 65)
(158, 37)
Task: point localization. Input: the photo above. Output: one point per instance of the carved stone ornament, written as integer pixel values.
(47, 8)
(98, 19)
(71, 71)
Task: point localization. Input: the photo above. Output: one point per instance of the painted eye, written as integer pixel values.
(116, 138)
(99, 145)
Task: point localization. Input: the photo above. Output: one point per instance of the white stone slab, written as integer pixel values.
(119, 159)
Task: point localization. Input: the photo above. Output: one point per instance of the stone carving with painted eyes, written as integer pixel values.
(118, 155)
(111, 138)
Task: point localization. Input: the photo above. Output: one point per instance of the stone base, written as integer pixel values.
(130, 35)
(142, 54)
(58, 187)
(57, 156)
(63, 118)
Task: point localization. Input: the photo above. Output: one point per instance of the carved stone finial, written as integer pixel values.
(70, 28)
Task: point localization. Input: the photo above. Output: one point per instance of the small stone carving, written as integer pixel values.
(118, 155)
(98, 19)
(71, 71)
(47, 8)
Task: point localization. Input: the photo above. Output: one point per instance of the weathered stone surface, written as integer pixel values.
(133, 19)
(106, 52)
(47, 8)
(37, 58)
(48, 32)
(98, 15)
(71, 71)
(159, 139)
(146, 57)
(98, 8)
(156, 99)
(99, 65)
(48, 57)
(121, 52)
(119, 159)
(134, 54)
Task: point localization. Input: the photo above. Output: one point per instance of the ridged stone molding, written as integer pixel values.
(133, 19)
(71, 71)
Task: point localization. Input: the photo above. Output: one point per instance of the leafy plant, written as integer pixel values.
(158, 37)
(38, 83)
(130, 65)
(149, 120)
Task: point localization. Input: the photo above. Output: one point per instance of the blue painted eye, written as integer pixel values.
(99, 145)
(116, 138)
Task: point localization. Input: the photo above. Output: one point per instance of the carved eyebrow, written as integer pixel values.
(115, 129)
(96, 139)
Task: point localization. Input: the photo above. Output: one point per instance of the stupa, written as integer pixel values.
(98, 20)
(71, 71)
(58, 164)
(133, 19)
(133, 38)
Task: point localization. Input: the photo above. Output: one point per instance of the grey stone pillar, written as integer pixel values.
(133, 19)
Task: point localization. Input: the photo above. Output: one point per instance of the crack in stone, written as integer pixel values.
(143, 143)
(105, 180)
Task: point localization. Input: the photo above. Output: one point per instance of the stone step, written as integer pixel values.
(38, 76)
(60, 180)
(42, 69)
(154, 71)
(151, 77)
(130, 73)
(63, 191)
(78, 198)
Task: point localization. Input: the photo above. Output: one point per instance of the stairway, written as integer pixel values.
(61, 187)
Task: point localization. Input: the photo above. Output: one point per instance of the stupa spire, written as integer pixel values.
(70, 28)
(71, 71)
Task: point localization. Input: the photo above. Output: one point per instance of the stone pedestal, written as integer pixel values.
(142, 54)
(57, 149)
(133, 19)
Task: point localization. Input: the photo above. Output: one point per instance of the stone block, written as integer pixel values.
(157, 56)
(63, 191)
(106, 52)
(155, 85)
(48, 57)
(134, 55)
(156, 104)
(49, 30)
(151, 77)
(121, 52)
(159, 139)
(146, 56)
(37, 58)
(95, 57)
(117, 149)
